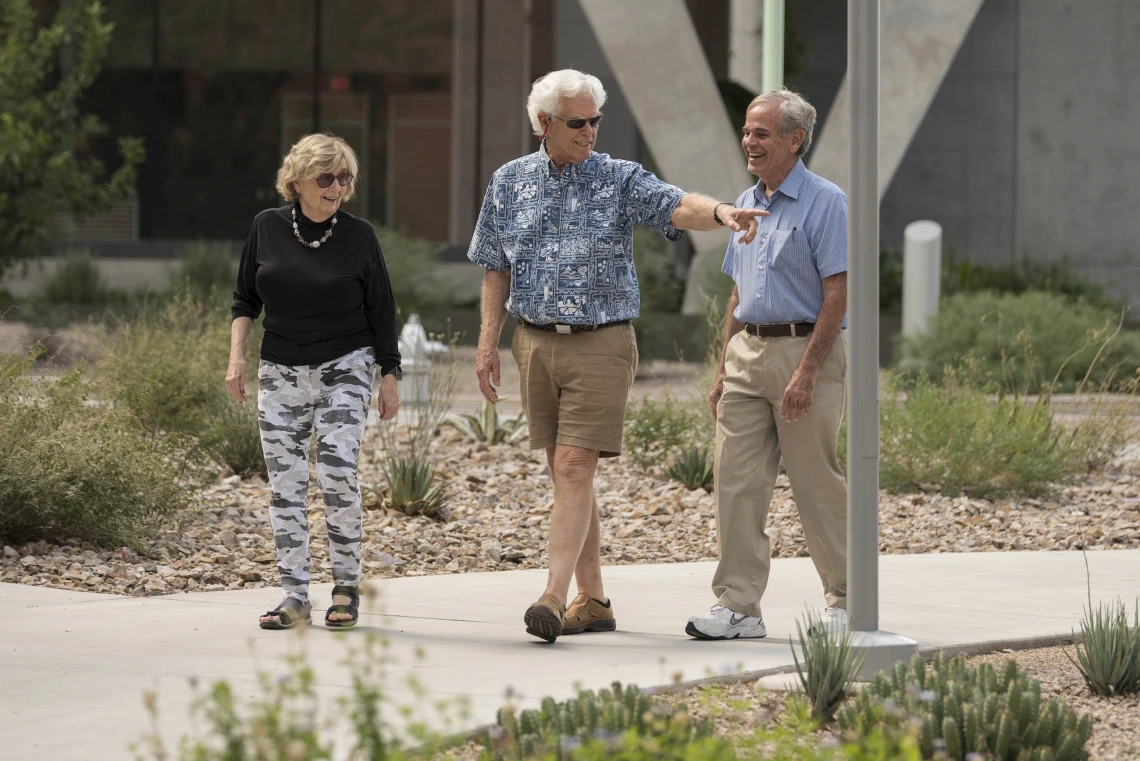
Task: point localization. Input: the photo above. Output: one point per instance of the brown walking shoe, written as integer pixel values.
(586, 614)
(544, 618)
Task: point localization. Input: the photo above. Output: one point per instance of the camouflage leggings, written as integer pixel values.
(333, 398)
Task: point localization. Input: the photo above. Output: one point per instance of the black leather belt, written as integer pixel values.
(558, 327)
(783, 330)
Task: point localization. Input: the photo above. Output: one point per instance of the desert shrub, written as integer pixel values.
(207, 272)
(411, 271)
(75, 280)
(168, 366)
(656, 430)
(72, 467)
(963, 276)
(960, 440)
(1031, 342)
(654, 259)
(232, 438)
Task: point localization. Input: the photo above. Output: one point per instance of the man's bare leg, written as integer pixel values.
(575, 510)
(588, 570)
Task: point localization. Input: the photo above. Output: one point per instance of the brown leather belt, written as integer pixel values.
(783, 330)
(558, 327)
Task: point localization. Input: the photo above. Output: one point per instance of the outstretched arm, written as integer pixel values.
(696, 212)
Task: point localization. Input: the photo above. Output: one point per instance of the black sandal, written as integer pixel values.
(353, 608)
(290, 613)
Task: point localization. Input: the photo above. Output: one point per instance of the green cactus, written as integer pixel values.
(953, 740)
(926, 739)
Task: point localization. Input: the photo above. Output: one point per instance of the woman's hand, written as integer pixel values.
(235, 379)
(389, 403)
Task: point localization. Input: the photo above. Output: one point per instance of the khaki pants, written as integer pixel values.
(751, 437)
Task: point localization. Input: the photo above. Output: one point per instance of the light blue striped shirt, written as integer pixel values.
(779, 275)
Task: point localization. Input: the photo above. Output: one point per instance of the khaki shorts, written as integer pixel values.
(574, 387)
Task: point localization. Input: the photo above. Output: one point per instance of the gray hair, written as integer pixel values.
(547, 92)
(795, 113)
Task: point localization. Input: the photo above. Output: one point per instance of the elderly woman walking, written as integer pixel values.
(330, 319)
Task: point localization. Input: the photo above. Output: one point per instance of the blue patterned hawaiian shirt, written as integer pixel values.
(568, 240)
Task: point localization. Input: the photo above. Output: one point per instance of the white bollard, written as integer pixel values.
(416, 363)
(922, 275)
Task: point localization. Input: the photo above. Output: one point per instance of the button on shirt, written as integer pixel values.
(568, 240)
(779, 275)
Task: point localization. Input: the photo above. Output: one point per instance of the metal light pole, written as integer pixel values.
(882, 649)
(772, 70)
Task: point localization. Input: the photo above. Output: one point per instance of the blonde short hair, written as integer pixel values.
(313, 155)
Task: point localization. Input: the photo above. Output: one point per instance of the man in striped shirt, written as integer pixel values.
(780, 388)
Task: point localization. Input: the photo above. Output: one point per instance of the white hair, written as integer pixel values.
(548, 92)
(795, 113)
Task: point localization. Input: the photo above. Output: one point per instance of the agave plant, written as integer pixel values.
(412, 488)
(693, 468)
(829, 668)
(1109, 654)
(487, 427)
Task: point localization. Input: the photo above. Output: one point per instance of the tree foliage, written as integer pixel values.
(42, 129)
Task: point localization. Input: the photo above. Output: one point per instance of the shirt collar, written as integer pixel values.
(569, 171)
(791, 186)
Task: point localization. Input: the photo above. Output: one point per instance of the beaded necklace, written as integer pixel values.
(316, 243)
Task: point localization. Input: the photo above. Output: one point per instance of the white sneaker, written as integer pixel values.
(832, 620)
(722, 623)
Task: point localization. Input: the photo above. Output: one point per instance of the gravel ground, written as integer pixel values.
(500, 503)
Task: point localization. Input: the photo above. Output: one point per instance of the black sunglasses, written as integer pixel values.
(579, 123)
(326, 179)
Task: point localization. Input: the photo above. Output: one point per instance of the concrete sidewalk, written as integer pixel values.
(73, 666)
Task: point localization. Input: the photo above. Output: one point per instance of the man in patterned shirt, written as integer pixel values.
(555, 235)
(780, 389)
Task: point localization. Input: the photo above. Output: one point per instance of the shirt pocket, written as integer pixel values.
(789, 251)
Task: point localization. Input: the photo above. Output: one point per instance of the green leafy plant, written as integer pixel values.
(693, 467)
(232, 438)
(1108, 655)
(487, 427)
(560, 727)
(656, 429)
(42, 173)
(960, 710)
(72, 467)
(830, 665)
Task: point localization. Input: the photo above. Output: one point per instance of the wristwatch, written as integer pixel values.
(397, 371)
(716, 216)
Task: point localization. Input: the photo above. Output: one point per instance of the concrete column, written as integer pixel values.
(920, 39)
(922, 275)
(745, 44)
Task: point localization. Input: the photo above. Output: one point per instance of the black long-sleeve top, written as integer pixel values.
(320, 303)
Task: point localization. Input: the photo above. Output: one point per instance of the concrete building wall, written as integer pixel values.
(576, 47)
(1078, 151)
(960, 168)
